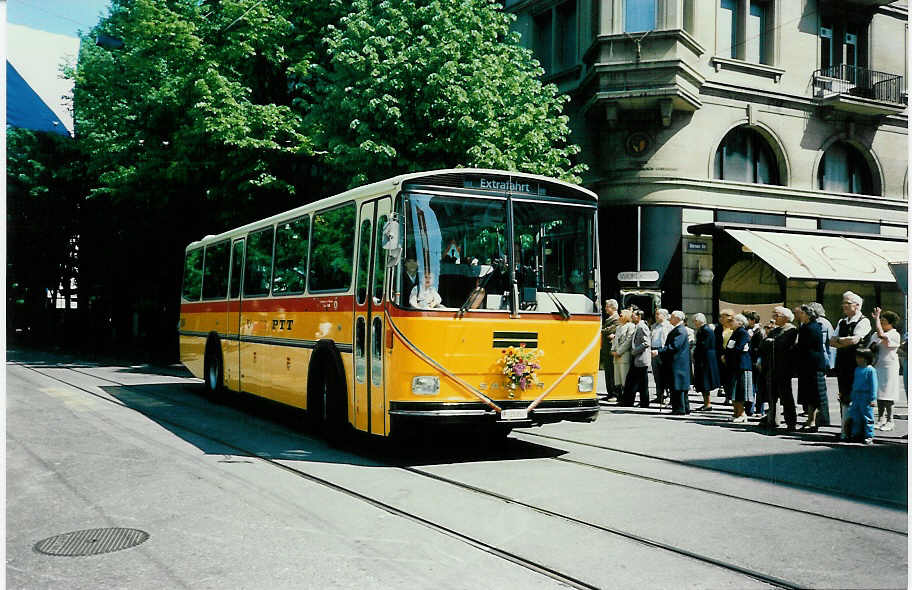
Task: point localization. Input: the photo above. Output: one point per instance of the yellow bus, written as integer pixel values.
(464, 295)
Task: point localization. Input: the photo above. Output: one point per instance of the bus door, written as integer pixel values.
(232, 346)
(370, 298)
(361, 387)
(377, 302)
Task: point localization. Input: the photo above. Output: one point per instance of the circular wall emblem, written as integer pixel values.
(638, 143)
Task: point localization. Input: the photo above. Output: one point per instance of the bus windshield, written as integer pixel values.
(457, 255)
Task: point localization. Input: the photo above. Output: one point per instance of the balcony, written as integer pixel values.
(651, 72)
(859, 90)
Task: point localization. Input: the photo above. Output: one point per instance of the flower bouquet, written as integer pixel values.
(519, 366)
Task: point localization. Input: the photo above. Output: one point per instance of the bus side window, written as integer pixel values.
(237, 267)
(259, 263)
(215, 271)
(379, 263)
(332, 249)
(290, 272)
(363, 261)
(193, 275)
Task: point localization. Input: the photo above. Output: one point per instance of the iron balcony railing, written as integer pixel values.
(862, 82)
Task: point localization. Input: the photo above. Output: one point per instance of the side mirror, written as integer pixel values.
(390, 242)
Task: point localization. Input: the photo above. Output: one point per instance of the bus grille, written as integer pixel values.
(505, 339)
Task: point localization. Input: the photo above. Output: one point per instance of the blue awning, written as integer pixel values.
(25, 109)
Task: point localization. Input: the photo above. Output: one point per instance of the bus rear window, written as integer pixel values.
(215, 274)
(259, 263)
(193, 275)
(333, 249)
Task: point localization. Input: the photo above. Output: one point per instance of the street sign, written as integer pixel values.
(647, 276)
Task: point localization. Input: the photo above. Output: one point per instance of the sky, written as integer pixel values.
(63, 17)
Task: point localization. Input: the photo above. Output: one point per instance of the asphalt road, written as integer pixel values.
(235, 494)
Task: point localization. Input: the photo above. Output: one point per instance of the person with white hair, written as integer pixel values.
(776, 370)
(675, 355)
(738, 362)
(706, 367)
(811, 364)
(827, 330)
(609, 329)
(620, 349)
(660, 330)
(849, 332)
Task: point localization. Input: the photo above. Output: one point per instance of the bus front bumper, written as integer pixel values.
(547, 412)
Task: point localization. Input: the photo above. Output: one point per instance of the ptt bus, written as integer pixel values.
(396, 303)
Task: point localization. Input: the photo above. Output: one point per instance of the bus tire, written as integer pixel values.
(327, 399)
(213, 368)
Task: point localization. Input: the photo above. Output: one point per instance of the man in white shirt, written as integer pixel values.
(660, 330)
(849, 332)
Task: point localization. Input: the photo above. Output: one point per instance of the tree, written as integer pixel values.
(422, 84)
(45, 184)
(189, 129)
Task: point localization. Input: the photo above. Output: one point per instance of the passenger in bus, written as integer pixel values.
(410, 280)
(425, 296)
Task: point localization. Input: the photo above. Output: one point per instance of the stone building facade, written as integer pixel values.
(748, 152)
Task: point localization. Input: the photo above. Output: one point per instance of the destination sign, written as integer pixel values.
(496, 184)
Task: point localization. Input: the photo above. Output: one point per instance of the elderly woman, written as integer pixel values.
(620, 349)
(739, 367)
(706, 368)
(811, 356)
(828, 332)
(776, 369)
(886, 343)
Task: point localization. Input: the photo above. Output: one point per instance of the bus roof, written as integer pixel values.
(388, 186)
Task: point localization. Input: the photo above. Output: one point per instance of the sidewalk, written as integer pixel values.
(721, 412)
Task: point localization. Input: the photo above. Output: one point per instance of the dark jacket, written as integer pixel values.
(775, 356)
(811, 354)
(755, 341)
(706, 368)
(675, 357)
(737, 353)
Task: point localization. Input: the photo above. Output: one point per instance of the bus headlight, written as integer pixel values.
(585, 383)
(425, 385)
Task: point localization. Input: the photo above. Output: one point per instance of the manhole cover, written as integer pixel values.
(91, 542)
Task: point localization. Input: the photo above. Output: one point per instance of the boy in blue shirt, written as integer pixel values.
(860, 418)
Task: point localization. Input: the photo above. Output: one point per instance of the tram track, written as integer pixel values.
(800, 486)
(468, 539)
(376, 503)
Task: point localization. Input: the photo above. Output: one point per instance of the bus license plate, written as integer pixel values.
(514, 414)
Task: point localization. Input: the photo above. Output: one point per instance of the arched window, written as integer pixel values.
(745, 155)
(843, 169)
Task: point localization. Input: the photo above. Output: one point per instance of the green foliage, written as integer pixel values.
(44, 188)
(198, 100)
(423, 84)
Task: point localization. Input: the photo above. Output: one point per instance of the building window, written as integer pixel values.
(753, 43)
(555, 37)
(565, 34)
(843, 39)
(745, 156)
(843, 169)
(639, 15)
(544, 34)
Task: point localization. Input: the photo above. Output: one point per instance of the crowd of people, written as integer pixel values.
(752, 365)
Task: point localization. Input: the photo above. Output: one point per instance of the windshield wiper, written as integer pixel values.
(496, 265)
(561, 308)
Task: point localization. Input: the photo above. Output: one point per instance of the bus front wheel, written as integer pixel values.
(214, 369)
(327, 405)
